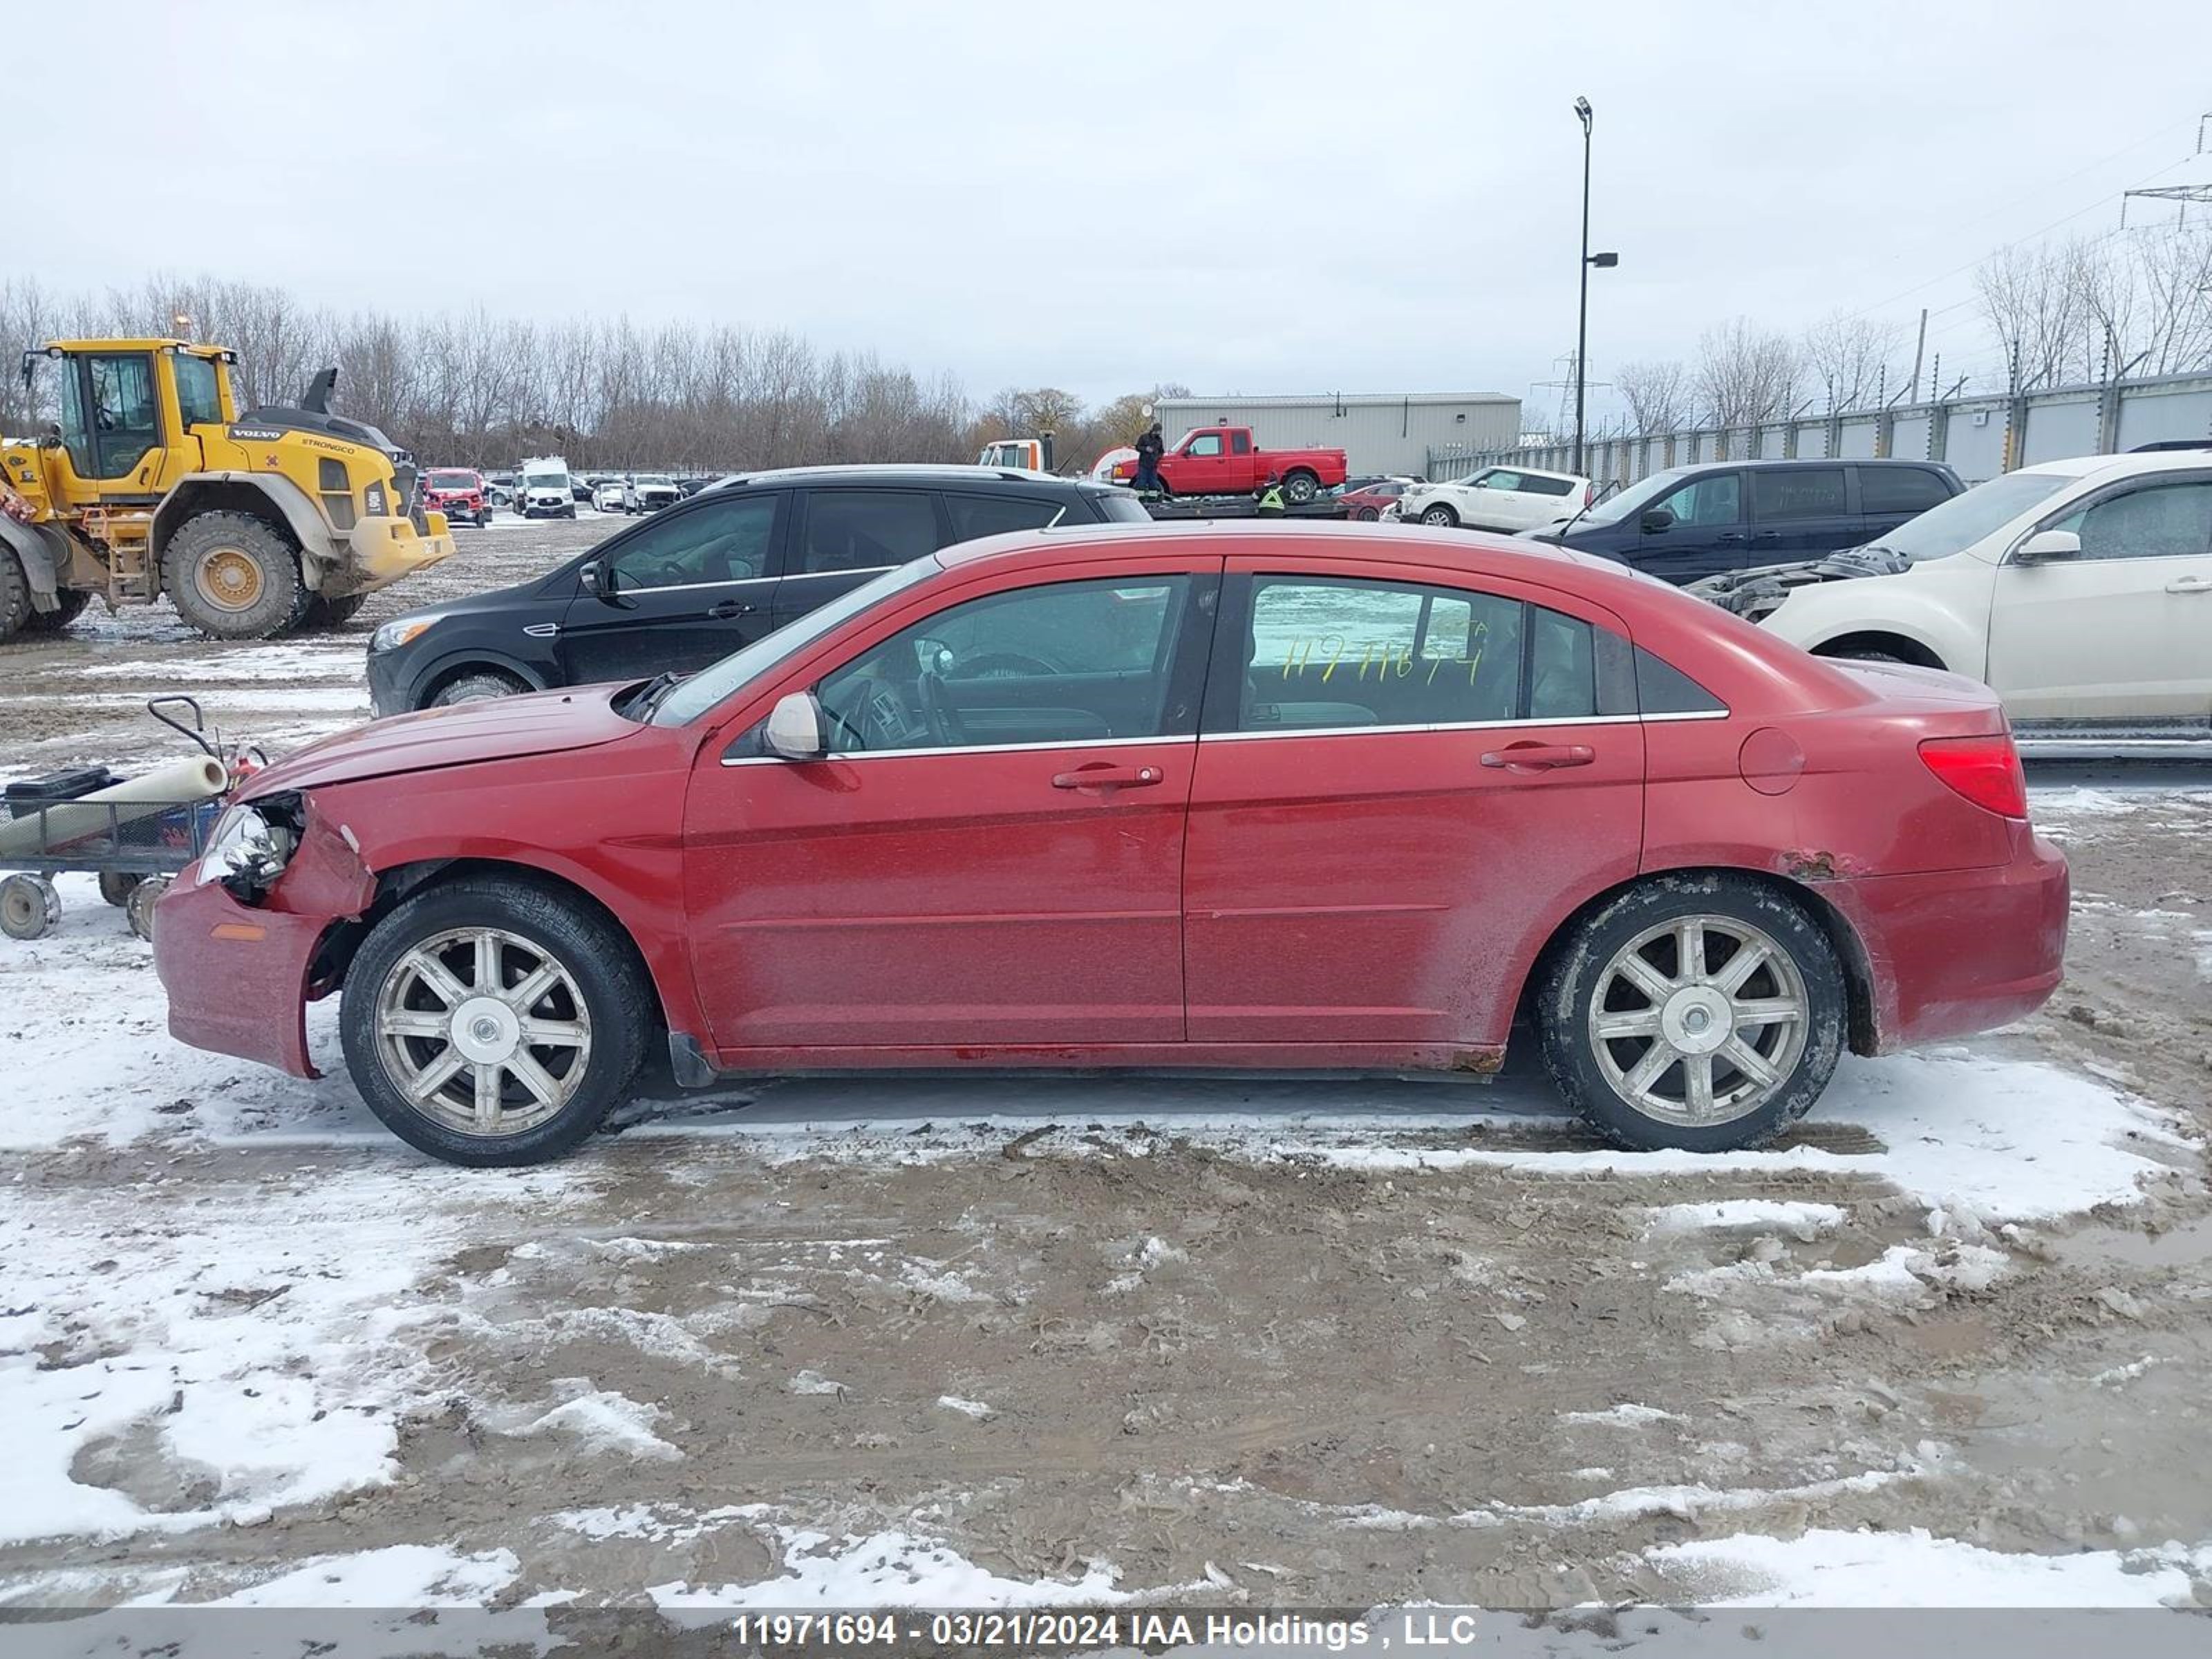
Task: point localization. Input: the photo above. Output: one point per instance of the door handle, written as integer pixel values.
(1539, 756)
(1107, 776)
(729, 608)
(2190, 584)
(1728, 536)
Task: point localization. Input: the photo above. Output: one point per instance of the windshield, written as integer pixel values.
(545, 480)
(695, 697)
(653, 481)
(1958, 524)
(453, 480)
(1635, 498)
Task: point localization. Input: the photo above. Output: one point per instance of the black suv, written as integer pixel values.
(710, 574)
(1690, 522)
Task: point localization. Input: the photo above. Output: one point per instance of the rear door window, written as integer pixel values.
(1781, 493)
(849, 530)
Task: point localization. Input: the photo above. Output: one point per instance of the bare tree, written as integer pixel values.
(1853, 359)
(1659, 394)
(2031, 298)
(2172, 268)
(1747, 375)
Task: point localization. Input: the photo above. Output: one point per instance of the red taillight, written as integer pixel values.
(1983, 770)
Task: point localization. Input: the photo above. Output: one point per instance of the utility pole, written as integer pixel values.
(1919, 347)
(1604, 262)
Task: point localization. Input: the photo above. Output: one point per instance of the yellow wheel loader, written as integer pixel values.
(152, 482)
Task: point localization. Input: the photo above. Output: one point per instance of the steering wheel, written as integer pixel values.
(1005, 666)
(937, 710)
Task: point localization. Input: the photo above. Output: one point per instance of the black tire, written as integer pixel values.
(1865, 656)
(1580, 967)
(232, 576)
(569, 511)
(116, 886)
(71, 606)
(15, 595)
(138, 909)
(615, 1005)
(1440, 516)
(484, 520)
(1300, 487)
(479, 687)
(1369, 515)
(322, 613)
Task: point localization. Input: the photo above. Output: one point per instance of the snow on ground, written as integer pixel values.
(253, 1359)
(1912, 1569)
(887, 1569)
(336, 659)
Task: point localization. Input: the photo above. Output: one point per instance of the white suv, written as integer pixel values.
(1508, 498)
(2081, 590)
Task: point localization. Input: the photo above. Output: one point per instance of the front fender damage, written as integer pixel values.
(236, 950)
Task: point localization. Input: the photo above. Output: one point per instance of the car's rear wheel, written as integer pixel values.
(494, 1021)
(1299, 488)
(1368, 515)
(477, 688)
(1439, 516)
(1700, 1013)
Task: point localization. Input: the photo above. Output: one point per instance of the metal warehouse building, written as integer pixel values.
(1378, 432)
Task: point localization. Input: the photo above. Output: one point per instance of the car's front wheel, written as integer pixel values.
(494, 1021)
(1439, 516)
(1702, 1013)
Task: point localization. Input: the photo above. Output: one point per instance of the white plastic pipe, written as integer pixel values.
(179, 783)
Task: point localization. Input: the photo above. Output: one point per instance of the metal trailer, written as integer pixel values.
(134, 856)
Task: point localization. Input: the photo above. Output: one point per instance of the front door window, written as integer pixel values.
(1073, 662)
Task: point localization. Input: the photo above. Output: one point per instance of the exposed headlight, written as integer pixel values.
(394, 633)
(242, 843)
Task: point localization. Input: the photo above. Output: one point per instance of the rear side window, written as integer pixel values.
(1240, 443)
(1331, 654)
(976, 516)
(1785, 493)
(1532, 485)
(866, 529)
(1119, 506)
(1663, 689)
(1900, 489)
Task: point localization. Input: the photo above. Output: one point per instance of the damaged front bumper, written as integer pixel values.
(239, 938)
(1757, 594)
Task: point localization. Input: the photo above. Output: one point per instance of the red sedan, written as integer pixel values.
(1200, 795)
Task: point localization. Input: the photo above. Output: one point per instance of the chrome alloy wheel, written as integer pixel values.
(1700, 1021)
(484, 1031)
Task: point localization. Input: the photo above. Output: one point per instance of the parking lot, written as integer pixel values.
(1298, 1342)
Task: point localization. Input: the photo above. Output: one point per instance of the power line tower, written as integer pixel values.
(1563, 419)
(2200, 195)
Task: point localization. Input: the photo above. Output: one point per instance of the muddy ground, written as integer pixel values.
(1292, 1342)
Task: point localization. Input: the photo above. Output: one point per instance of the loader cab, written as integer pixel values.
(124, 409)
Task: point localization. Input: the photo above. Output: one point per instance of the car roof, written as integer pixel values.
(904, 472)
(1501, 556)
(2158, 461)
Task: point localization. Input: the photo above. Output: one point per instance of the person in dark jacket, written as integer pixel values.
(1150, 448)
(1270, 497)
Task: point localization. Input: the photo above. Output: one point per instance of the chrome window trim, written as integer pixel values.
(687, 587)
(1465, 726)
(863, 570)
(968, 748)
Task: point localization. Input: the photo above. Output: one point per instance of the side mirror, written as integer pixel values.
(1657, 520)
(2048, 545)
(600, 579)
(794, 728)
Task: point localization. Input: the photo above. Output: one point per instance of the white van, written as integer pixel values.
(543, 488)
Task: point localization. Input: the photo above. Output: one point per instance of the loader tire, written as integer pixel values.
(71, 606)
(232, 576)
(15, 597)
(322, 613)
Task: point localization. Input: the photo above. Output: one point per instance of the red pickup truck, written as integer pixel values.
(1223, 460)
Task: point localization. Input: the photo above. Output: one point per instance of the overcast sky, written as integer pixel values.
(1270, 197)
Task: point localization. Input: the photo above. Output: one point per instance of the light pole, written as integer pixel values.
(1604, 262)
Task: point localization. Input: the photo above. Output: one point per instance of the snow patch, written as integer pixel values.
(975, 1408)
(605, 1421)
(884, 1569)
(1803, 1222)
(1915, 1569)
